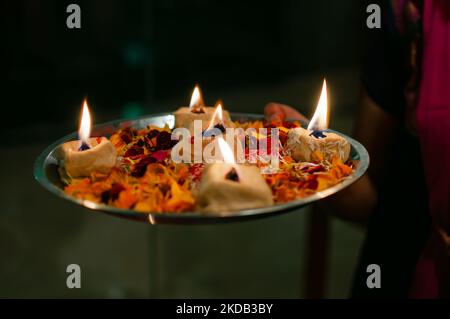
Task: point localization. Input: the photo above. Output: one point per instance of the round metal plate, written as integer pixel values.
(46, 173)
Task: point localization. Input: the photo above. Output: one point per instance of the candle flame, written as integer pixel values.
(217, 117)
(319, 121)
(196, 99)
(84, 131)
(226, 151)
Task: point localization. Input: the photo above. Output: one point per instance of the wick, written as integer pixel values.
(220, 127)
(318, 134)
(198, 109)
(83, 147)
(232, 175)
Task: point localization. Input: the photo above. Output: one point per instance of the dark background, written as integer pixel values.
(131, 55)
(139, 57)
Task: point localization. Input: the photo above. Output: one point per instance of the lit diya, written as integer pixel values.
(88, 155)
(226, 186)
(200, 147)
(186, 115)
(315, 142)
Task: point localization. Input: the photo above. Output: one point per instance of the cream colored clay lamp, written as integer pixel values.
(226, 186)
(185, 116)
(302, 144)
(200, 148)
(88, 154)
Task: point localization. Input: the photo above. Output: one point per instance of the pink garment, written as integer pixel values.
(433, 120)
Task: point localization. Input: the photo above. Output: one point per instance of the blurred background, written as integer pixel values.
(132, 58)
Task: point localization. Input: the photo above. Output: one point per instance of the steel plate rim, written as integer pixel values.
(41, 178)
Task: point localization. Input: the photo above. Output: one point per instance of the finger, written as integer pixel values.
(274, 112)
(277, 111)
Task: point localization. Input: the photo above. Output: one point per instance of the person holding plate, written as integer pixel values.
(404, 122)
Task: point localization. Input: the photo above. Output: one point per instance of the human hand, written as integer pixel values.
(279, 112)
(343, 204)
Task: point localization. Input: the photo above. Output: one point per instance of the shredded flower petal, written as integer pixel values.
(146, 179)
